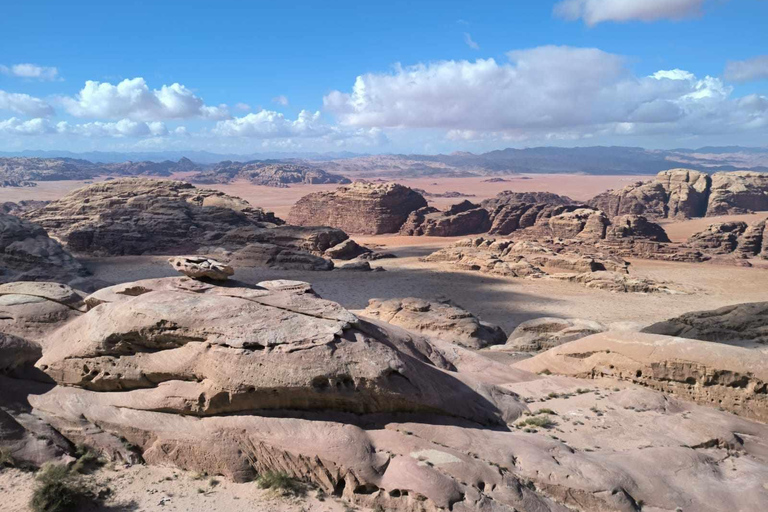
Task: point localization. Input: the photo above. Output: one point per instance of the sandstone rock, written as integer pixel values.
(441, 320)
(509, 197)
(642, 198)
(616, 282)
(365, 208)
(16, 352)
(31, 310)
(714, 374)
(730, 324)
(138, 216)
(545, 333)
(738, 192)
(507, 218)
(277, 256)
(267, 174)
(583, 222)
(687, 192)
(27, 253)
(197, 268)
(636, 226)
(720, 238)
(359, 266)
(461, 219)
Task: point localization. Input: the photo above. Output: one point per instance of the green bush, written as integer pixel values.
(538, 421)
(58, 490)
(279, 481)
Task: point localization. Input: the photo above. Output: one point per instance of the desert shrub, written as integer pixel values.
(538, 421)
(6, 458)
(279, 481)
(546, 411)
(58, 490)
(87, 458)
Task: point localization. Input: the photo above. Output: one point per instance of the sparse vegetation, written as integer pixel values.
(87, 458)
(546, 411)
(59, 490)
(537, 421)
(281, 482)
(6, 458)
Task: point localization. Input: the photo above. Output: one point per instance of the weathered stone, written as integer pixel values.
(277, 256)
(362, 207)
(441, 320)
(346, 250)
(198, 268)
(545, 333)
(730, 324)
(636, 226)
(738, 192)
(461, 219)
(616, 282)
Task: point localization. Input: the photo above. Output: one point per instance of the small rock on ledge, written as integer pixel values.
(198, 267)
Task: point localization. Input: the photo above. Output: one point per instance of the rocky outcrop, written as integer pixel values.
(27, 253)
(362, 207)
(31, 310)
(684, 193)
(511, 197)
(200, 268)
(269, 174)
(507, 218)
(716, 374)
(544, 333)
(617, 282)
(635, 226)
(737, 324)
(738, 239)
(275, 256)
(347, 250)
(461, 219)
(738, 192)
(441, 320)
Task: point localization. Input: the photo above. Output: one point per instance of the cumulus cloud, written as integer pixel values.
(747, 70)
(133, 99)
(280, 100)
(16, 126)
(470, 42)
(122, 128)
(30, 71)
(24, 104)
(598, 11)
(548, 92)
(268, 124)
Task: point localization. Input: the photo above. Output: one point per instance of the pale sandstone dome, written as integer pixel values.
(27, 253)
(737, 324)
(362, 208)
(32, 310)
(440, 320)
(685, 193)
(547, 332)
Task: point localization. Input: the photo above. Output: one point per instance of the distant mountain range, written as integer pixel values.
(28, 166)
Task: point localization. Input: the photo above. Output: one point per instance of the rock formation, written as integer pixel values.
(460, 219)
(27, 253)
(737, 238)
(440, 320)
(362, 207)
(684, 193)
(266, 173)
(511, 197)
(731, 377)
(199, 268)
(737, 324)
(544, 333)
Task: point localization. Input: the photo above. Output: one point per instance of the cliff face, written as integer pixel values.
(684, 193)
(363, 208)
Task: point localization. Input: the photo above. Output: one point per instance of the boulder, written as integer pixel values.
(461, 219)
(347, 250)
(544, 333)
(199, 268)
(27, 253)
(278, 257)
(735, 324)
(441, 320)
(16, 352)
(636, 226)
(362, 207)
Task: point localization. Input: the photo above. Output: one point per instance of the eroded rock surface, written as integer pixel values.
(734, 324)
(547, 332)
(362, 207)
(461, 219)
(199, 268)
(440, 320)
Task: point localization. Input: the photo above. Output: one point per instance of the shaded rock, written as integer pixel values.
(616, 282)
(269, 174)
(720, 238)
(730, 324)
(276, 256)
(545, 333)
(27, 253)
(31, 310)
(509, 197)
(460, 219)
(197, 267)
(16, 352)
(636, 226)
(714, 374)
(738, 192)
(441, 320)
(359, 266)
(362, 207)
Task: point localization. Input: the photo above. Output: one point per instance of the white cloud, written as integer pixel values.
(30, 71)
(122, 128)
(24, 104)
(598, 11)
(133, 99)
(280, 100)
(244, 107)
(747, 70)
(15, 126)
(468, 40)
(270, 124)
(545, 92)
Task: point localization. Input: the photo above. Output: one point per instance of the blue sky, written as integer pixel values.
(256, 76)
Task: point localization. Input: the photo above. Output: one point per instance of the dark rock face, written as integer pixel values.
(144, 216)
(364, 208)
(268, 174)
(508, 197)
(465, 218)
(27, 253)
(277, 256)
(720, 238)
(684, 193)
(730, 324)
(627, 226)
